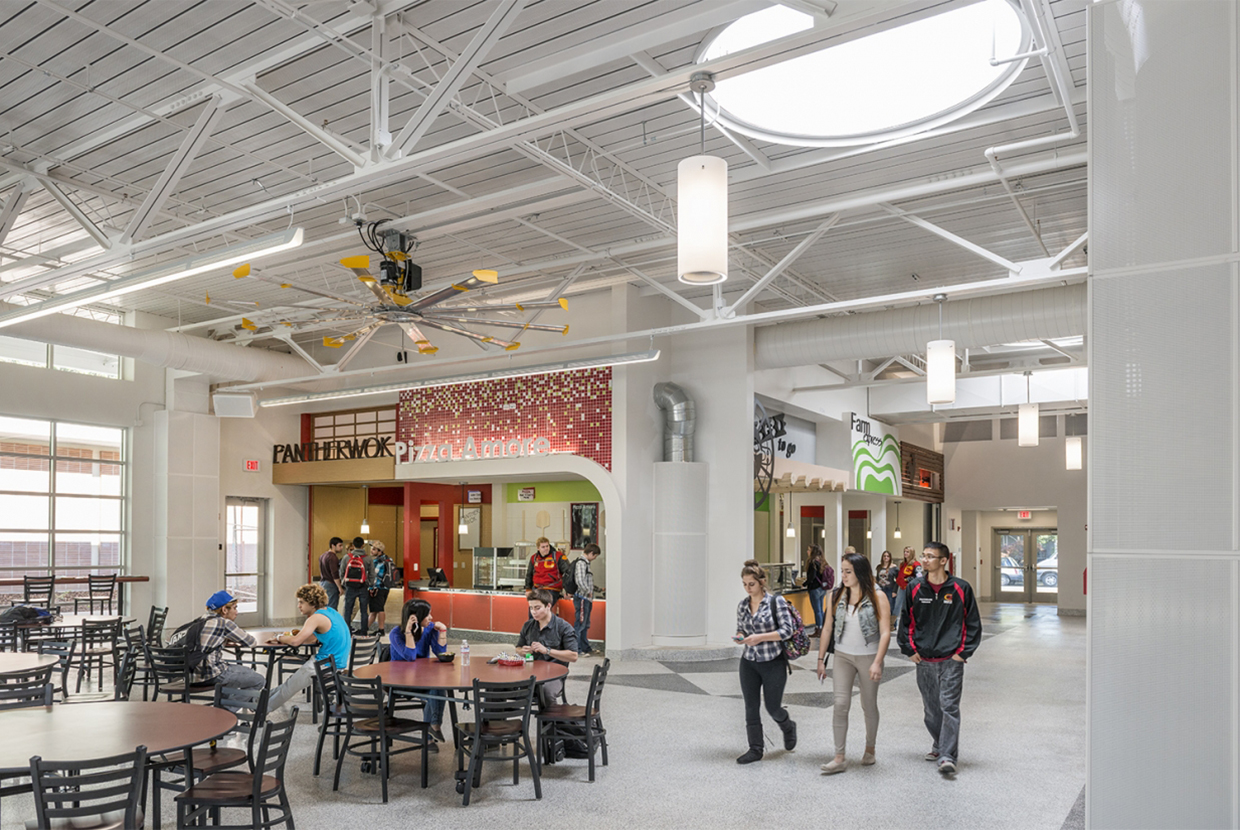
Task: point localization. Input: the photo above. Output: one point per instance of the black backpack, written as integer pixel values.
(568, 576)
(191, 633)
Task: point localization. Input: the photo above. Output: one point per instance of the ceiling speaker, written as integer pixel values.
(234, 405)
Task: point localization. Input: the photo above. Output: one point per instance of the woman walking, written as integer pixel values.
(885, 578)
(763, 622)
(815, 573)
(861, 620)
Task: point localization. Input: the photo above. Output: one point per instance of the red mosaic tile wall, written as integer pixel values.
(570, 409)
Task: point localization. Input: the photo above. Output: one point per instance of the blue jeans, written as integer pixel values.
(816, 596)
(433, 713)
(333, 594)
(581, 622)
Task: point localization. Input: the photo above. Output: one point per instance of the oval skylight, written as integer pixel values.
(886, 85)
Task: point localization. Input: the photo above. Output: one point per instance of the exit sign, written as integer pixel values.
(1024, 514)
(251, 465)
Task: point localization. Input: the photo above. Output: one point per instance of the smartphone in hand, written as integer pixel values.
(736, 638)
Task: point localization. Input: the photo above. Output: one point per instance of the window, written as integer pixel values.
(896, 82)
(62, 502)
(359, 423)
(64, 358)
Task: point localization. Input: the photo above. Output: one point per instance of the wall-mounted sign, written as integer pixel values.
(876, 457)
(1024, 514)
(251, 465)
(332, 450)
(473, 496)
(470, 450)
(525, 494)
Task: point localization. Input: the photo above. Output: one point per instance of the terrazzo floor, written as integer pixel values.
(676, 728)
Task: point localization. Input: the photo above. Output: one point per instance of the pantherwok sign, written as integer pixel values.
(468, 449)
(875, 456)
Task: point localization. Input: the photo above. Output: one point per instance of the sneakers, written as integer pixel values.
(833, 766)
(867, 760)
(932, 755)
(437, 733)
(947, 767)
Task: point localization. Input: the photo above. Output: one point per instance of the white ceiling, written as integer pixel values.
(96, 98)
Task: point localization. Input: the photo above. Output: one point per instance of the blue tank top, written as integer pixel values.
(335, 641)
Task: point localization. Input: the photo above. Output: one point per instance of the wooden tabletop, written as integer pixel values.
(77, 620)
(85, 731)
(18, 661)
(431, 674)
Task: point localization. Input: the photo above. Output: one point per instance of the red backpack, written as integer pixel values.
(354, 570)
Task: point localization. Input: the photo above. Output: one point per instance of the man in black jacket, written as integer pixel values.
(939, 629)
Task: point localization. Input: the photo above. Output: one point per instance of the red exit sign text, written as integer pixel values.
(1024, 514)
(251, 465)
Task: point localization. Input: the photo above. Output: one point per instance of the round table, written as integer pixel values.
(87, 731)
(12, 662)
(432, 674)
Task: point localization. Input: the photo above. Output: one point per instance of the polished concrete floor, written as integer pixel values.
(676, 728)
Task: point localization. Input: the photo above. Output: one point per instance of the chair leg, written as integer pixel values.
(475, 768)
(383, 763)
(426, 742)
(318, 750)
(590, 749)
(533, 766)
(602, 739)
(340, 759)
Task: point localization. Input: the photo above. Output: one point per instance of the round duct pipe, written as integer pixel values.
(680, 421)
(1043, 314)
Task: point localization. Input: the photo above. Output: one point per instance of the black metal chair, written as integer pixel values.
(104, 793)
(250, 707)
(100, 592)
(155, 625)
(363, 652)
(334, 720)
(38, 591)
(170, 667)
(8, 637)
(64, 651)
(367, 721)
(578, 723)
(136, 642)
(121, 690)
(98, 645)
(501, 718)
(260, 790)
(21, 690)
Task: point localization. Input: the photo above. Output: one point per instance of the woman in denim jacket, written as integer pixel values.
(862, 626)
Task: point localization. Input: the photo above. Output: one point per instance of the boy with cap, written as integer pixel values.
(219, 627)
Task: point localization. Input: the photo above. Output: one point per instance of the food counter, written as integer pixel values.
(498, 611)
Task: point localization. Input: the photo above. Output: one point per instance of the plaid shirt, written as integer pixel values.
(584, 577)
(761, 623)
(215, 633)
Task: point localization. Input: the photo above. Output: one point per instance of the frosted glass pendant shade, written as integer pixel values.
(941, 371)
(791, 531)
(1074, 453)
(702, 220)
(1027, 425)
(365, 528)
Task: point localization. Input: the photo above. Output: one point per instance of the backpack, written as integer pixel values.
(191, 634)
(828, 576)
(383, 572)
(568, 576)
(798, 644)
(354, 572)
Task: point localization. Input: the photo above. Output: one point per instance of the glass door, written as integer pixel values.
(1026, 564)
(244, 555)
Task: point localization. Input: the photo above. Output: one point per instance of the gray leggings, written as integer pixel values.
(848, 667)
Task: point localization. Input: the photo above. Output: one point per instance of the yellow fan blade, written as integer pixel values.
(512, 347)
(286, 285)
(564, 303)
(356, 262)
(290, 325)
(349, 337)
(208, 299)
(242, 271)
(519, 307)
(397, 256)
(487, 275)
(247, 325)
(333, 342)
(427, 349)
(565, 332)
(397, 297)
(367, 278)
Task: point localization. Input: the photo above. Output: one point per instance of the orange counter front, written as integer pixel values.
(498, 611)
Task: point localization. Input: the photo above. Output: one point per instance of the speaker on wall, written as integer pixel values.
(234, 404)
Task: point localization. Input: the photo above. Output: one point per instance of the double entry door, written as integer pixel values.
(1026, 564)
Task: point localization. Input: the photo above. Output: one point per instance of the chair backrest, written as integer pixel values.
(273, 752)
(155, 625)
(168, 665)
(64, 650)
(363, 651)
(19, 690)
(100, 633)
(326, 675)
(250, 707)
(361, 699)
(126, 672)
(598, 680)
(101, 587)
(8, 637)
(135, 638)
(505, 700)
(38, 590)
(69, 790)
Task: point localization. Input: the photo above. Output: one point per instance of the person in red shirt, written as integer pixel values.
(906, 572)
(545, 570)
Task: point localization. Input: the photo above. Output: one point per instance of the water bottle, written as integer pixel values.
(464, 652)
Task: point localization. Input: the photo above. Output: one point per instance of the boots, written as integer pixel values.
(754, 733)
(789, 727)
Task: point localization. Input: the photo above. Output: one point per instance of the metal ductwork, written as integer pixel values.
(680, 420)
(1044, 314)
(157, 347)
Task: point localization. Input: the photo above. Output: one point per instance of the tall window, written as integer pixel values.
(356, 423)
(64, 358)
(62, 501)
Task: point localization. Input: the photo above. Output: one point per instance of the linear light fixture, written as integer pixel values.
(232, 255)
(496, 374)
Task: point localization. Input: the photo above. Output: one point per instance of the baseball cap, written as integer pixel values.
(377, 545)
(219, 599)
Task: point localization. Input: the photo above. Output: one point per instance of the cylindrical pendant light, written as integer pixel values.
(1027, 419)
(896, 535)
(940, 364)
(702, 208)
(790, 532)
(1074, 453)
(461, 527)
(365, 510)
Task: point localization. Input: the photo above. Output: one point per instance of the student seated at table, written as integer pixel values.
(420, 636)
(219, 627)
(548, 637)
(323, 623)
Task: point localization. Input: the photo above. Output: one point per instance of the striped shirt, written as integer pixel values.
(761, 623)
(584, 577)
